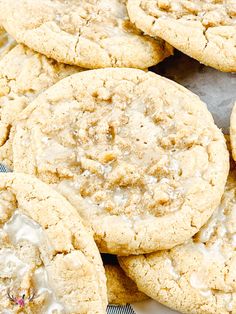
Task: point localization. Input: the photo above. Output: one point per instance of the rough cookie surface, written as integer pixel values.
(23, 75)
(204, 30)
(6, 42)
(198, 277)
(233, 131)
(87, 33)
(44, 250)
(138, 155)
(121, 289)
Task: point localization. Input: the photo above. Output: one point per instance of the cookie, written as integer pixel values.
(204, 30)
(199, 276)
(90, 34)
(49, 262)
(6, 42)
(233, 131)
(138, 155)
(23, 75)
(121, 289)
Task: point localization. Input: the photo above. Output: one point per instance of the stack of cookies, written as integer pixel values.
(109, 159)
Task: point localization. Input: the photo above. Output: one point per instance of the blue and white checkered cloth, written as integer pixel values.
(111, 309)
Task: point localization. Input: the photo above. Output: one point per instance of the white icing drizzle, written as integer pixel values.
(12, 265)
(198, 283)
(207, 231)
(169, 266)
(119, 197)
(151, 179)
(21, 227)
(42, 286)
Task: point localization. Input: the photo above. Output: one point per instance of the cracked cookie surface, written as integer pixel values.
(46, 253)
(23, 75)
(138, 155)
(204, 30)
(197, 277)
(90, 34)
(121, 289)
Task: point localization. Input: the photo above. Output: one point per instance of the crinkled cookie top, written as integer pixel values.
(90, 34)
(205, 29)
(48, 260)
(138, 155)
(23, 75)
(199, 276)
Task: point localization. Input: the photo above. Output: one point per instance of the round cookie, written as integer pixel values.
(6, 42)
(121, 290)
(49, 262)
(199, 276)
(138, 155)
(233, 131)
(23, 75)
(90, 34)
(204, 30)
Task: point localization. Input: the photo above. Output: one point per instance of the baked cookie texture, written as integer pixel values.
(90, 34)
(6, 42)
(138, 155)
(121, 290)
(46, 252)
(233, 131)
(204, 30)
(199, 276)
(23, 75)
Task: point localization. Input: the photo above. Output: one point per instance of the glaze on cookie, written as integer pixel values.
(49, 261)
(23, 75)
(138, 155)
(199, 276)
(90, 34)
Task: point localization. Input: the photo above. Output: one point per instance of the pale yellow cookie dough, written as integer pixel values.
(233, 131)
(202, 29)
(198, 277)
(90, 34)
(121, 289)
(23, 75)
(46, 251)
(6, 42)
(138, 155)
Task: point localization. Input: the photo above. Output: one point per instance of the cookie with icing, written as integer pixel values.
(23, 75)
(90, 34)
(199, 276)
(138, 155)
(49, 262)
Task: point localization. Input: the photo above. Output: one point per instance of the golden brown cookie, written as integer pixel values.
(121, 289)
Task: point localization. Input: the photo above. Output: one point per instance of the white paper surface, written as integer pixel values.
(218, 91)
